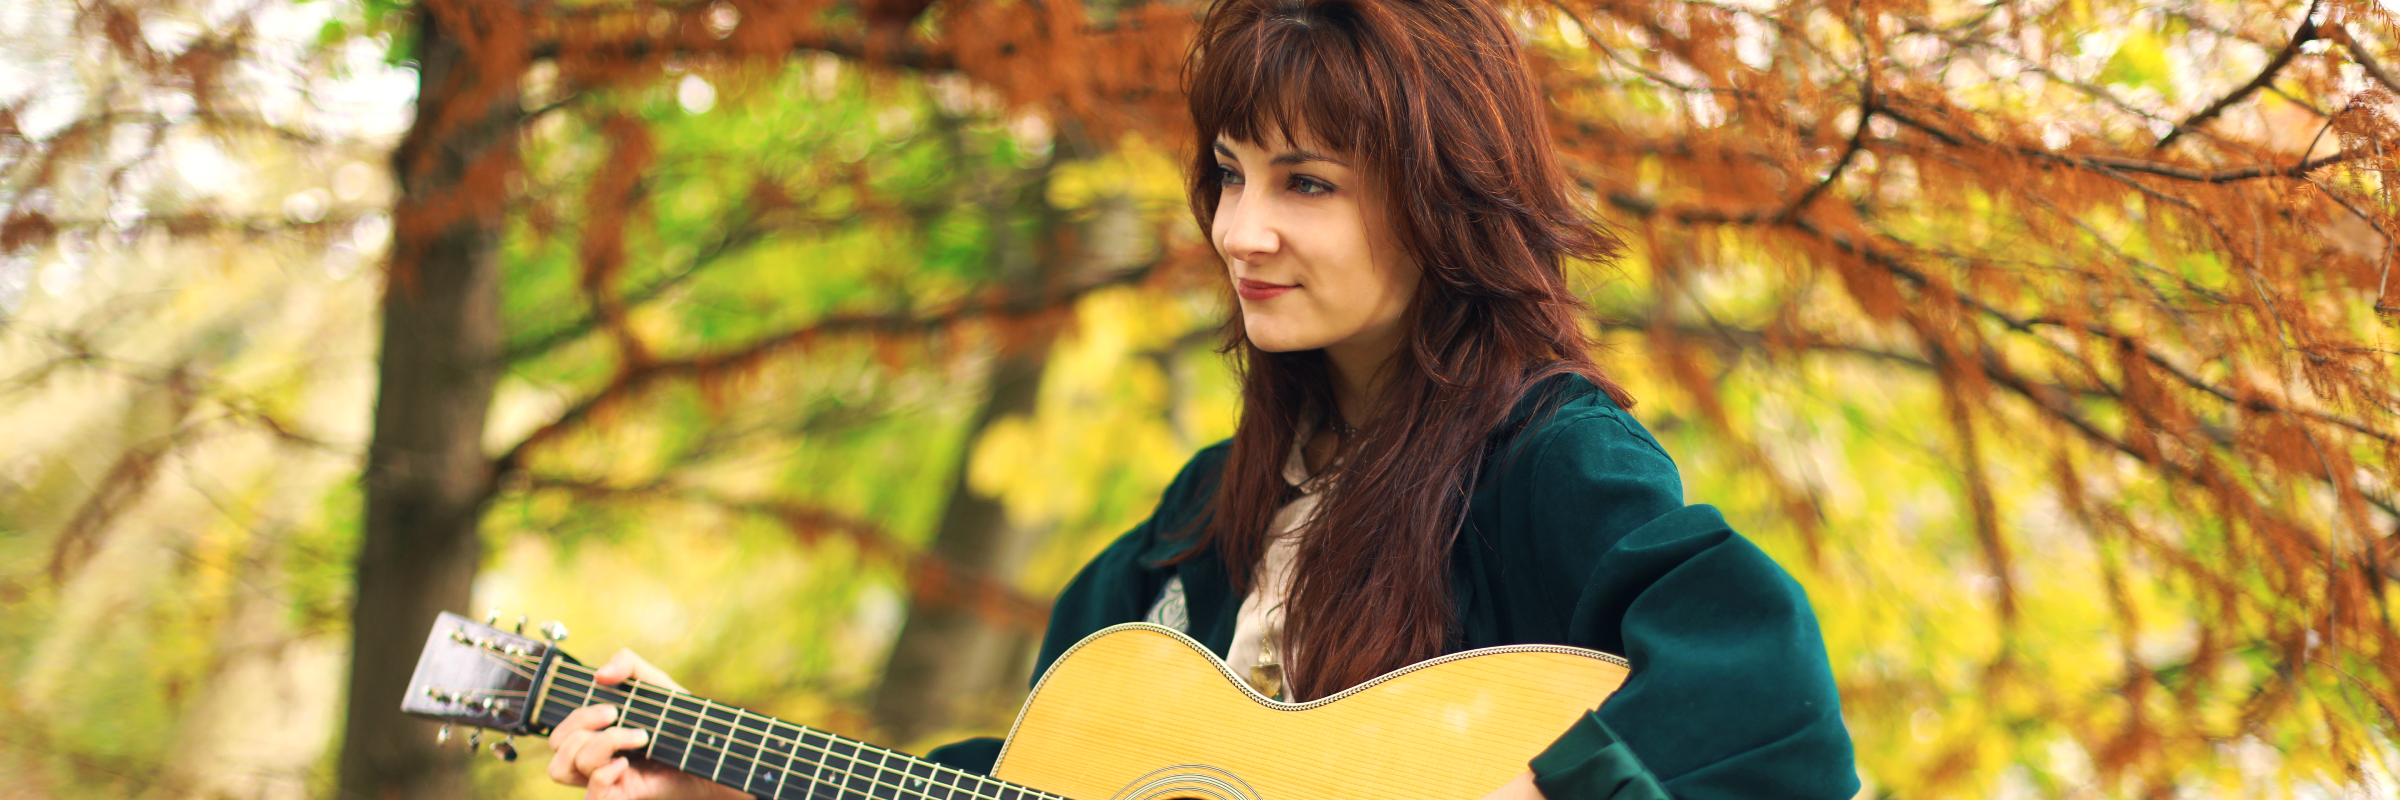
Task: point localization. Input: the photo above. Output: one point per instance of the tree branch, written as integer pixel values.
(2306, 32)
(191, 224)
(98, 123)
(2358, 53)
(1898, 268)
(640, 377)
(623, 51)
(2106, 164)
(1655, 76)
(732, 242)
(1858, 139)
(930, 577)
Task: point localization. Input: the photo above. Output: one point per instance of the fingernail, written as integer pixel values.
(641, 737)
(609, 711)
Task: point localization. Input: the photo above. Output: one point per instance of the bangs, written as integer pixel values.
(1289, 74)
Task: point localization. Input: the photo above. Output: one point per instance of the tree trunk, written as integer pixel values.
(947, 661)
(426, 473)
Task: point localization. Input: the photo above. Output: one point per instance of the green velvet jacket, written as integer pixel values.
(1576, 535)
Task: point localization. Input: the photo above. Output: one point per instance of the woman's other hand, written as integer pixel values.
(589, 746)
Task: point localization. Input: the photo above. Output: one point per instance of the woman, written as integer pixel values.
(1427, 460)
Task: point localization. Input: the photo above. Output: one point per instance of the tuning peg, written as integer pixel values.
(554, 630)
(442, 737)
(520, 624)
(505, 750)
(492, 619)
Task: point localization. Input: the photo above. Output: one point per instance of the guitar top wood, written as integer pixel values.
(1145, 713)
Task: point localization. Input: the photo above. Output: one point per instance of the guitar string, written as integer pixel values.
(517, 665)
(880, 768)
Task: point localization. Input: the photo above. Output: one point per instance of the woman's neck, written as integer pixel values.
(1358, 375)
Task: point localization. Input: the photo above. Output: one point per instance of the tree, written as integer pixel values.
(427, 477)
(2047, 344)
(2121, 290)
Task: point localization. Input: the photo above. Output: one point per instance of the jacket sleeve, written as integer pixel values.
(1730, 694)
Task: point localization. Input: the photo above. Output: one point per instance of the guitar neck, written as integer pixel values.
(761, 755)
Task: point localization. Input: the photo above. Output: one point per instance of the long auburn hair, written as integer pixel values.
(1432, 97)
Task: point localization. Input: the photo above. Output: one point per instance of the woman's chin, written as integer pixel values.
(1279, 341)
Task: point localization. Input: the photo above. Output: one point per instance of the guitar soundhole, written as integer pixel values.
(1189, 782)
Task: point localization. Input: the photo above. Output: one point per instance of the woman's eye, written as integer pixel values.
(1227, 177)
(1302, 184)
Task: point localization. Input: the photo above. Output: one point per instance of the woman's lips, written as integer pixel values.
(1260, 290)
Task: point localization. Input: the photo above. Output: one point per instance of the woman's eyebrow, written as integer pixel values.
(1286, 158)
(1304, 156)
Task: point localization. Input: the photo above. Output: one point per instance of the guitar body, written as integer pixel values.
(1141, 712)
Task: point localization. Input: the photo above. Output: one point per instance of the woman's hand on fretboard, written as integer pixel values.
(589, 748)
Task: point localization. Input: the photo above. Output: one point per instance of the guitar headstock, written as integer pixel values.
(475, 674)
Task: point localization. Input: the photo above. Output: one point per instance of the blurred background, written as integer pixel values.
(807, 347)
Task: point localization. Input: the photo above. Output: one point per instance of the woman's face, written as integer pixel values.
(1305, 242)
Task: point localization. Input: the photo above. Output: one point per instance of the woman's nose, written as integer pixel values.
(1248, 233)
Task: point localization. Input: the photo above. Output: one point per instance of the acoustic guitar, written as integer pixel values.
(1133, 712)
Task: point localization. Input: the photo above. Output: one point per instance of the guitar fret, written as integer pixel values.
(849, 765)
(750, 774)
(782, 776)
(881, 770)
(674, 732)
(689, 742)
(756, 741)
(824, 758)
(918, 773)
(951, 790)
(887, 779)
(708, 738)
(878, 785)
(816, 761)
(791, 754)
(870, 781)
(791, 748)
(658, 730)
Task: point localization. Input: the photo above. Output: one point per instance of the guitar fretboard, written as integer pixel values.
(761, 755)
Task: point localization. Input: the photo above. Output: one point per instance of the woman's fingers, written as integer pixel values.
(609, 779)
(588, 747)
(562, 759)
(604, 746)
(627, 665)
(583, 743)
(569, 737)
(581, 720)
